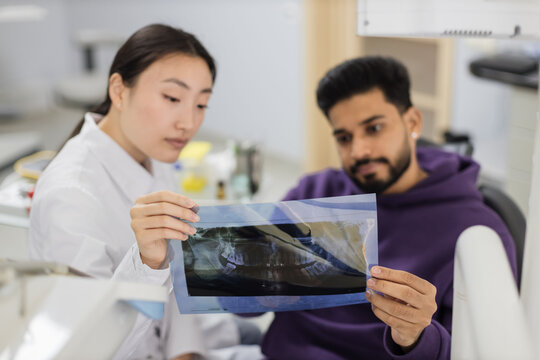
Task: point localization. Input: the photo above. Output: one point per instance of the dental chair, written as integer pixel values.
(512, 216)
(494, 197)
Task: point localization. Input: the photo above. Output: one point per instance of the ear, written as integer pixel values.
(414, 122)
(117, 90)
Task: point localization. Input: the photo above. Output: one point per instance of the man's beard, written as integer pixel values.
(378, 186)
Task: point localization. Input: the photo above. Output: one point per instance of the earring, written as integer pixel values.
(118, 105)
(414, 135)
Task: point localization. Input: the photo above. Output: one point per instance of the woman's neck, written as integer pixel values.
(111, 125)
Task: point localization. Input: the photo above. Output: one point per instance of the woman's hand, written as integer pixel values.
(407, 304)
(156, 217)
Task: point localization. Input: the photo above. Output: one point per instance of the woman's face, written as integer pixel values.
(165, 107)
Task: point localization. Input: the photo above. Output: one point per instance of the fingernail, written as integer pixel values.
(193, 231)
(369, 292)
(376, 270)
(371, 283)
(196, 217)
(195, 208)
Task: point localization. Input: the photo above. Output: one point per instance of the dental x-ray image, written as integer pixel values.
(291, 255)
(280, 259)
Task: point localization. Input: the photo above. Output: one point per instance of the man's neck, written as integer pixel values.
(412, 176)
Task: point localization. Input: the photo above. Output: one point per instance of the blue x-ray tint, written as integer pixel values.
(291, 255)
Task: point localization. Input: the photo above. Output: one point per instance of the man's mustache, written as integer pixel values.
(363, 162)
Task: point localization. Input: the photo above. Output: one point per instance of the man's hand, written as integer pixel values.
(155, 218)
(407, 304)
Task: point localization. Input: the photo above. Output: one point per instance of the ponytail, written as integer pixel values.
(101, 109)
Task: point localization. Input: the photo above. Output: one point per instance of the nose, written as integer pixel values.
(360, 149)
(186, 120)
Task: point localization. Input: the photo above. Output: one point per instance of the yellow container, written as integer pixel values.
(194, 178)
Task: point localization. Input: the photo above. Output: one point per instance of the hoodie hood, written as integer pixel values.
(451, 177)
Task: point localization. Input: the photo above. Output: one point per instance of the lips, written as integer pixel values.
(176, 142)
(367, 169)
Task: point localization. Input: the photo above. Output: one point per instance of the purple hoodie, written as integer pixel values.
(418, 231)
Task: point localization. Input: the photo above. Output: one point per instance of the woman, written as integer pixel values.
(160, 83)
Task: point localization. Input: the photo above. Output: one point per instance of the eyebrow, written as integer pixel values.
(184, 85)
(363, 122)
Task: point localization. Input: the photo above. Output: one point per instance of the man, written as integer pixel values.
(425, 199)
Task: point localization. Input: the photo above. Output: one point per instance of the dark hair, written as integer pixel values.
(360, 75)
(142, 49)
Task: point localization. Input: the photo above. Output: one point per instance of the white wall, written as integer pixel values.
(480, 107)
(32, 56)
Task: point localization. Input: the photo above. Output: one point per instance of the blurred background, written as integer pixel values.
(55, 55)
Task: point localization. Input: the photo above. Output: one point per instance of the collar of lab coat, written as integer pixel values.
(130, 176)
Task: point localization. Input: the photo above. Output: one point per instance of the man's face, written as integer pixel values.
(372, 139)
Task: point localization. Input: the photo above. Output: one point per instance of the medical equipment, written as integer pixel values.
(17, 189)
(33, 165)
(55, 312)
(231, 175)
(15, 200)
(246, 177)
(450, 18)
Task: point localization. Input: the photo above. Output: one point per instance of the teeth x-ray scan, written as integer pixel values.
(291, 255)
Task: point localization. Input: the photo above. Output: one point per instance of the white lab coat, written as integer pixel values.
(80, 217)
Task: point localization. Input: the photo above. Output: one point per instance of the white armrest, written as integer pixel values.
(488, 318)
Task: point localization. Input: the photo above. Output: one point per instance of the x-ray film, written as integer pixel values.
(291, 255)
